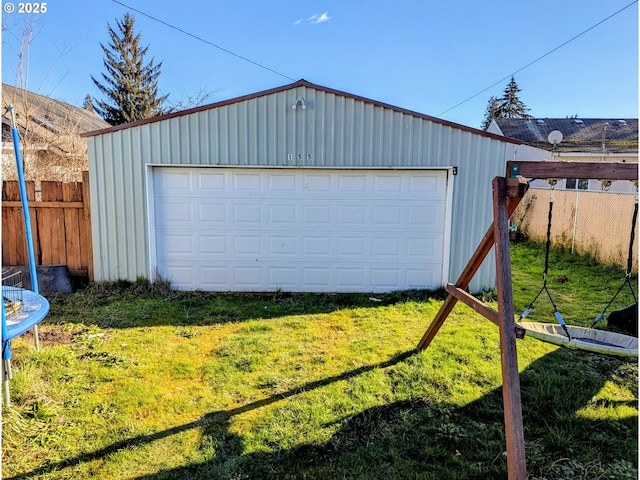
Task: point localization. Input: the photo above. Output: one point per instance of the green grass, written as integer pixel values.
(138, 381)
(579, 286)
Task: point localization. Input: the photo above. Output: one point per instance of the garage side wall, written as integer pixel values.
(333, 131)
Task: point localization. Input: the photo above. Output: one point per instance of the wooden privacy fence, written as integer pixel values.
(60, 224)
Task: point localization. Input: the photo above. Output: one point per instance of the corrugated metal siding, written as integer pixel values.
(333, 131)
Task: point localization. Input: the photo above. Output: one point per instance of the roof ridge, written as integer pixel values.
(300, 83)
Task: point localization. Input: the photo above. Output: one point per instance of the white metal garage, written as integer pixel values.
(318, 230)
(340, 139)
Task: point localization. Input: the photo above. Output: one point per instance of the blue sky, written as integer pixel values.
(417, 54)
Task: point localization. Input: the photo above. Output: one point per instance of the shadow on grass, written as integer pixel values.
(422, 438)
(214, 421)
(125, 304)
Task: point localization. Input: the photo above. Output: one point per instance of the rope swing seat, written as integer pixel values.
(574, 337)
(589, 339)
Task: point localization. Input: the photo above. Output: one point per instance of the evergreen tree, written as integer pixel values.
(493, 107)
(508, 105)
(88, 104)
(130, 86)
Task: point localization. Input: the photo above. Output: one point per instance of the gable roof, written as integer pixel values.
(43, 118)
(300, 83)
(579, 134)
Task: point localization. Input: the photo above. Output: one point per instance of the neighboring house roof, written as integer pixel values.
(46, 121)
(579, 134)
(300, 83)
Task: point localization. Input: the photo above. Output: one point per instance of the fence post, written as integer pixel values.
(575, 222)
(86, 212)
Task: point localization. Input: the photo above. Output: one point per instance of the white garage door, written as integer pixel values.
(236, 229)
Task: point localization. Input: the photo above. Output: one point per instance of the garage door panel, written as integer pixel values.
(317, 278)
(415, 277)
(350, 277)
(177, 210)
(350, 247)
(430, 249)
(387, 183)
(173, 243)
(317, 215)
(283, 245)
(316, 182)
(385, 278)
(212, 181)
(211, 213)
(283, 214)
(283, 183)
(316, 246)
(247, 213)
(231, 229)
(248, 278)
(182, 277)
(285, 277)
(428, 186)
(352, 183)
(386, 247)
(430, 215)
(247, 245)
(213, 244)
(179, 181)
(214, 278)
(352, 216)
(247, 182)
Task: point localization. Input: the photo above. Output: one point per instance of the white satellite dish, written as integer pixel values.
(555, 137)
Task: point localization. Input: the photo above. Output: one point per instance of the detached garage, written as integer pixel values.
(298, 188)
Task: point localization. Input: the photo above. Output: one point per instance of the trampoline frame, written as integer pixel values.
(35, 307)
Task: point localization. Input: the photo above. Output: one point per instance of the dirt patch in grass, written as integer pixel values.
(50, 335)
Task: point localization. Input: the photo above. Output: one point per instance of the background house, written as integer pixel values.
(589, 217)
(55, 164)
(300, 187)
(584, 140)
(50, 131)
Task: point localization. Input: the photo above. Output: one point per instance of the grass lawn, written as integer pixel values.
(136, 381)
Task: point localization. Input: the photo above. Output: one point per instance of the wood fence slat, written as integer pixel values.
(52, 240)
(10, 191)
(71, 192)
(10, 237)
(10, 231)
(14, 234)
(31, 191)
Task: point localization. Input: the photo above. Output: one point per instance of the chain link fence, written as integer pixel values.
(596, 224)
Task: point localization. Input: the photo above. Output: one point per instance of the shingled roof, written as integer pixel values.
(45, 119)
(580, 134)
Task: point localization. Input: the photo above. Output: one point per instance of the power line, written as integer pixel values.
(205, 41)
(538, 59)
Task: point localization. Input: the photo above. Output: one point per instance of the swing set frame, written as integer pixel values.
(508, 191)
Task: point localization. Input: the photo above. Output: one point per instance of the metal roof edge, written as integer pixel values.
(412, 113)
(189, 111)
(301, 83)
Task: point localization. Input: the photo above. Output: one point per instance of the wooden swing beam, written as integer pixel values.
(507, 194)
